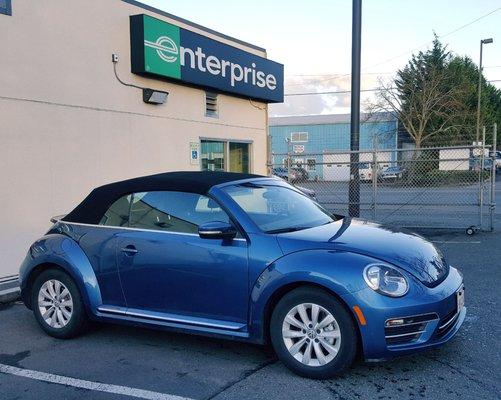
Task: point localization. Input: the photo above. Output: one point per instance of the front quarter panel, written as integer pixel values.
(337, 271)
(66, 253)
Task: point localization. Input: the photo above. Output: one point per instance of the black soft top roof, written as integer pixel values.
(93, 207)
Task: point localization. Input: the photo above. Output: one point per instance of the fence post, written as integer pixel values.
(481, 183)
(288, 160)
(492, 205)
(374, 178)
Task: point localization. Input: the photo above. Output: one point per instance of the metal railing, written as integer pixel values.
(429, 187)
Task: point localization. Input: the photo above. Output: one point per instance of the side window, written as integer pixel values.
(6, 7)
(173, 211)
(118, 213)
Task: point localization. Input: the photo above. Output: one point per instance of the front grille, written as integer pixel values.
(406, 330)
(447, 323)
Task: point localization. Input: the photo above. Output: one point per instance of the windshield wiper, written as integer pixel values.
(288, 229)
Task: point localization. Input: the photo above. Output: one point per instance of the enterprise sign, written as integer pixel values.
(163, 50)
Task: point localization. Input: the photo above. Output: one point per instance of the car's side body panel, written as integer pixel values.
(336, 271)
(184, 274)
(63, 251)
(99, 244)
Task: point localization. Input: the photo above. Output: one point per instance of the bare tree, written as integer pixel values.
(424, 105)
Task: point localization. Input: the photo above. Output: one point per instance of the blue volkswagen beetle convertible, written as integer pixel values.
(243, 257)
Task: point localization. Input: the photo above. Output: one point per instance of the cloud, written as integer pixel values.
(319, 104)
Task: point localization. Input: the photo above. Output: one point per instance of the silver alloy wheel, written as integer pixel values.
(311, 334)
(55, 303)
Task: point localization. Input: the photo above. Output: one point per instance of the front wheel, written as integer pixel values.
(313, 334)
(57, 304)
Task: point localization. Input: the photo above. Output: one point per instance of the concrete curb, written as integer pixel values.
(9, 290)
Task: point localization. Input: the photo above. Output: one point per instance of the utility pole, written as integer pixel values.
(356, 39)
(479, 90)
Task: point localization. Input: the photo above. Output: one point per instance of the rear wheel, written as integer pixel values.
(57, 304)
(313, 334)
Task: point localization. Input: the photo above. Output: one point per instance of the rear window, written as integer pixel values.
(118, 213)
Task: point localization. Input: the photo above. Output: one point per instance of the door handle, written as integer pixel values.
(130, 250)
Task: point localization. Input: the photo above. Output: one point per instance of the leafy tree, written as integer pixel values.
(435, 98)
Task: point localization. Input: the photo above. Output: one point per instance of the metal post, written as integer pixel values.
(481, 179)
(374, 177)
(492, 206)
(356, 35)
(289, 161)
(479, 90)
(482, 42)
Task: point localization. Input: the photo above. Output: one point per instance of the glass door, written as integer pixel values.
(239, 157)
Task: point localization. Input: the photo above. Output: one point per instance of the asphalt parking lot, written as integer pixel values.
(117, 362)
(446, 206)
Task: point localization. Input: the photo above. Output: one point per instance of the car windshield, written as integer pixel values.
(278, 209)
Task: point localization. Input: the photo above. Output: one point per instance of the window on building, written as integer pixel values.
(311, 164)
(211, 104)
(224, 155)
(118, 213)
(173, 211)
(212, 155)
(299, 136)
(6, 7)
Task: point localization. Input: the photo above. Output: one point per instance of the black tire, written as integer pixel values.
(349, 338)
(470, 230)
(78, 321)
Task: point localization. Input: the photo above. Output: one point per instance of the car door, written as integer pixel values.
(165, 267)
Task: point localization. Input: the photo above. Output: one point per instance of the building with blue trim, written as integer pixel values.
(308, 138)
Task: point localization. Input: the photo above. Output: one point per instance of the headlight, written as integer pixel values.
(385, 280)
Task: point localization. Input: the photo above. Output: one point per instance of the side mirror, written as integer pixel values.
(217, 230)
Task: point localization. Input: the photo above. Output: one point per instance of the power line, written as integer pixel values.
(439, 36)
(349, 91)
(418, 47)
(329, 92)
(363, 73)
(338, 74)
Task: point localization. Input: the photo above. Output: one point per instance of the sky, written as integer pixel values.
(313, 39)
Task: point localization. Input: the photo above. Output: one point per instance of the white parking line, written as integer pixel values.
(89, 385)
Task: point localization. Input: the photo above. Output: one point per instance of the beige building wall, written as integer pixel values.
(67, 125)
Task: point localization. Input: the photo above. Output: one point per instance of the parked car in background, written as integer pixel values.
(394, 172)
(297, 174)
(476, 163)
(301, 174)
(283, 173)
(498, 158)
(365, 171)
(244, 257)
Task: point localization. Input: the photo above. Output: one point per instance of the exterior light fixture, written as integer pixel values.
(151, 96)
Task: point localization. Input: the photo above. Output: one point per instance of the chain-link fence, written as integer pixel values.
(429, 187)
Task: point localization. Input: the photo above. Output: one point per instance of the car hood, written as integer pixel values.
(399, 247)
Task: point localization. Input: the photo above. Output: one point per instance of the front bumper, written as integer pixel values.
(435, 309)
